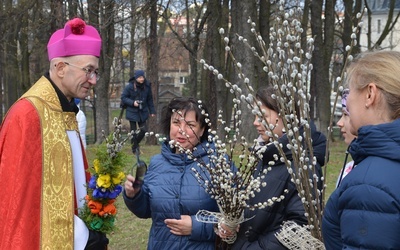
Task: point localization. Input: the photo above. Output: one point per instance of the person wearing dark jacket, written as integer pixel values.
(170, 194)
(259, 232)
(137, 98)
(364, 211)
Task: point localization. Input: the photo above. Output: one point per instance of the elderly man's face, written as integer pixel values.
(77, 71)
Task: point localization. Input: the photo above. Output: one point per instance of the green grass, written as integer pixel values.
(132, 232)
(335, 164)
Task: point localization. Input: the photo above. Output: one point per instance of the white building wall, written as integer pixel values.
(378, 22)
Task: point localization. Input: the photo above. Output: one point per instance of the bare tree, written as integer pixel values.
(390, 23)
(72, 8)
(322, 27)
(104, 11)
(191, 39)
(23, 44)
(212, 54)
(108, 36)
(12, 77)
(133, 22)
(241, 11)
(2, 58)
(152, 65)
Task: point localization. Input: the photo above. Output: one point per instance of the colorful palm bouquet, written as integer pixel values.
(105, 185)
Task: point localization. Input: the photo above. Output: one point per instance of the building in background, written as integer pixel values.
(379, 17)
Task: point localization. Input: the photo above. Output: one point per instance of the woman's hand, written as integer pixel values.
(130, 191)
(224, 232)
(180, 227)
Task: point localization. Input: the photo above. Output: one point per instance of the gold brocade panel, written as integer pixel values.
(57, 200)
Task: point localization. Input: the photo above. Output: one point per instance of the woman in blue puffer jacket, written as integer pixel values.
(171, 195)
(364, 211)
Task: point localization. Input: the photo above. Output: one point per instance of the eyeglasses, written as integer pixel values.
(89, 73)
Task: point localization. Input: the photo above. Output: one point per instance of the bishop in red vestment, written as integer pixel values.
(42, 160)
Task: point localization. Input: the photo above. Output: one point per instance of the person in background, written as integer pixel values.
(171, 195)
(81, 119)
(363, 212)
(137, 98)
(42, 160)
(259, 232)
(344, 125)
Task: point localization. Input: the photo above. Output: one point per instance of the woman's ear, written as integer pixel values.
(371, 95)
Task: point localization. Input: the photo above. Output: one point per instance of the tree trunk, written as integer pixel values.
(57, 18)
(323, 33)
(101, 97)
(38, 59)
(107, 17)
(72, 9)
(94, 7)
(2, 59)
(24, 50)
(213, 56)
(152, 66)
(225, 102)
(348, 23)
(132, 48)
(11, 73)
(241, 11)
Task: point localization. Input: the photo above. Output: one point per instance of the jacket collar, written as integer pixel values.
(382, 140)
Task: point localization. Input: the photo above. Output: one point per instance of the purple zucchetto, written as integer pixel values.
(76, 38)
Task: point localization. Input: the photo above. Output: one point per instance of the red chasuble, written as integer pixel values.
(37, 204)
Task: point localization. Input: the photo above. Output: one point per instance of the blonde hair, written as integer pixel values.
(381, 68)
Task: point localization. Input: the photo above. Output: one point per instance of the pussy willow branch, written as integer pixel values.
(288, 67)
(347, 60)
(226, 187)
(300, 178)
(114, 145)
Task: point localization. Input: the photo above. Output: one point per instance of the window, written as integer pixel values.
(379, 26)
(182, 80)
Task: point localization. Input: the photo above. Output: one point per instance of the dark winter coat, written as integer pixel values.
(259, 232)
(170, 190)
(364, 211)
(141, 92)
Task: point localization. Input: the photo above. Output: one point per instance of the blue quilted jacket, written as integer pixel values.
(142, 92)
(364, 212)
(170, 190)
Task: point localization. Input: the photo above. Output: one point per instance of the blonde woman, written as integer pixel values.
(364, 211)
